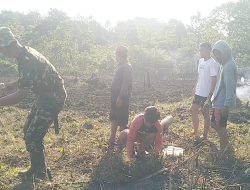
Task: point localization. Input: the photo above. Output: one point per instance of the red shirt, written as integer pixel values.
(132, 133)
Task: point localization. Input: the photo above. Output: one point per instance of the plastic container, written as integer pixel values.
(173, 151)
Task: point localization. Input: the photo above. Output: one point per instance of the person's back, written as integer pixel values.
(39, 75)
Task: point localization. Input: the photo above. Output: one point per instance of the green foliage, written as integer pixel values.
(81, 45)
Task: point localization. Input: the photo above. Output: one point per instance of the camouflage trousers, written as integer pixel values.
(38, 122)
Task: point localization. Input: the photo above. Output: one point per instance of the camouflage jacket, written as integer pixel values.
(39, 75)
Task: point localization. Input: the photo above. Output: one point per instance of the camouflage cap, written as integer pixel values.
(6, 36)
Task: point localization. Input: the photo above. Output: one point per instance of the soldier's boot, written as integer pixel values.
(26, 175)
(41, 170)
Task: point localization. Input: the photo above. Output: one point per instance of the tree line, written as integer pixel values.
(81, 45)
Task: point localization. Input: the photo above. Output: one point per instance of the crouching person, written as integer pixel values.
(144, 129)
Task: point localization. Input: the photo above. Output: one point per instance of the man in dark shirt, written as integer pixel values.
(121, 88)
(38, 75)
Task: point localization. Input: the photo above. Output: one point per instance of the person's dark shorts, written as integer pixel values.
(120, 114)
(218, 119)
(199, 100)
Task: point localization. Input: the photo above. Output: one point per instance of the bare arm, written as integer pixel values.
(213, 84)
(131, 136)
(11, 86)
(15, 97)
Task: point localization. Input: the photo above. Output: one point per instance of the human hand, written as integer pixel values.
(209, 100)
(10, 86)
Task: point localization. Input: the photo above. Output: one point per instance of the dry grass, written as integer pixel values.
(79, 157)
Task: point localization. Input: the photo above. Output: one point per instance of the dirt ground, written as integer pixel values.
(93, 99)
(92, 96)
(89, 97)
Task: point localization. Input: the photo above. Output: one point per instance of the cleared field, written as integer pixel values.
(79, 159)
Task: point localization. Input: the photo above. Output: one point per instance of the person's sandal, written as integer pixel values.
(203, 137)
(197, 140)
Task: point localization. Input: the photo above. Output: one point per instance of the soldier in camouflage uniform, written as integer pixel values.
(37, 74)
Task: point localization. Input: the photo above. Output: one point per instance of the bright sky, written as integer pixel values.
(119, 10)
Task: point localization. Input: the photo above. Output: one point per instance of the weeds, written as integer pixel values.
(79, 157)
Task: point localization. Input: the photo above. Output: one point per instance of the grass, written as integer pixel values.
(79, 157)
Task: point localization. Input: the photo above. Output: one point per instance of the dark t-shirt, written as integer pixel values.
(121, 85)
(144, 130)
